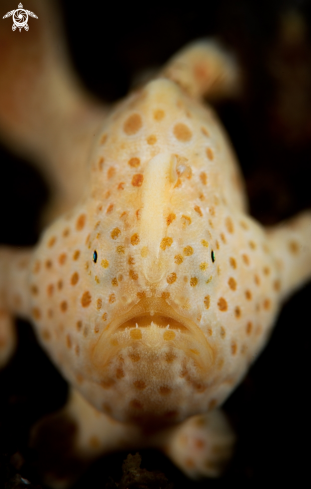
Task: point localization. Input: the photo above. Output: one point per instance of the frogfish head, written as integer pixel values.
(134, 269)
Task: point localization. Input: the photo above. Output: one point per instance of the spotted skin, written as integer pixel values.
(156, 290)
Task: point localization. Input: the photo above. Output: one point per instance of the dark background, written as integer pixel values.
(270, 127)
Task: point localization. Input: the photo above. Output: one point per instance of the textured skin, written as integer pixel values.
(156, 290)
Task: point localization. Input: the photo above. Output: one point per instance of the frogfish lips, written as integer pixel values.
(153, 365)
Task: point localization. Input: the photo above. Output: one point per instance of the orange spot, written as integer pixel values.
(223, 238)
(111, 172)
(249, 327)
(99, 304)
(63, 306)
(51, 242)
(68, 341)
(234, 348)
(267, 304)
(80, 223)
(135, 239)
(186, 220)
(133, 275)
(76, 255)
(188, 251)
(193, 281)
(46, 335)
(105, 315)
(86, 299)
(205, 132)
(166, 243)
(34, 290)
(229, 225)
(37, 267)
(168, 335)
(115, 233)
(137, 180)
(112, 298)
(104, 263)
(293, 247)
(252, 245)
(158, 115)
(266, 270)
(182, 132)
(120, 249)
(203, 177)
(232, 262)
(136, 404)
(164, 390)
(36, 313)
(134, 356)
(237, 312)
(212, 404)
(248, 295)
(152, 139)
(119, 373)
(189, 463)
(110, 208)
(94, 442)
(170, 218)
(232, 283)
(204, 243)
(222, 304)
(222, 334)
(139, 384)
(103, 139)
(245, 259)
(114, 282)
(134, 162)
(165, 295)
(169, 357)
(209, 154)
(48, 264)
(207, 301)
(171, 278)
(101, 163)
(60, 284)
(178, 259)
(277, 285)
(50, 290)
(136, 334)
(74, 278)
(256, 279)
(132, 124)
(107, 383)
(198, 210)
(62, 258)
(121, 186)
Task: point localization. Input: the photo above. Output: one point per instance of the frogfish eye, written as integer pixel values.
(95, 256)
(213, 256)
